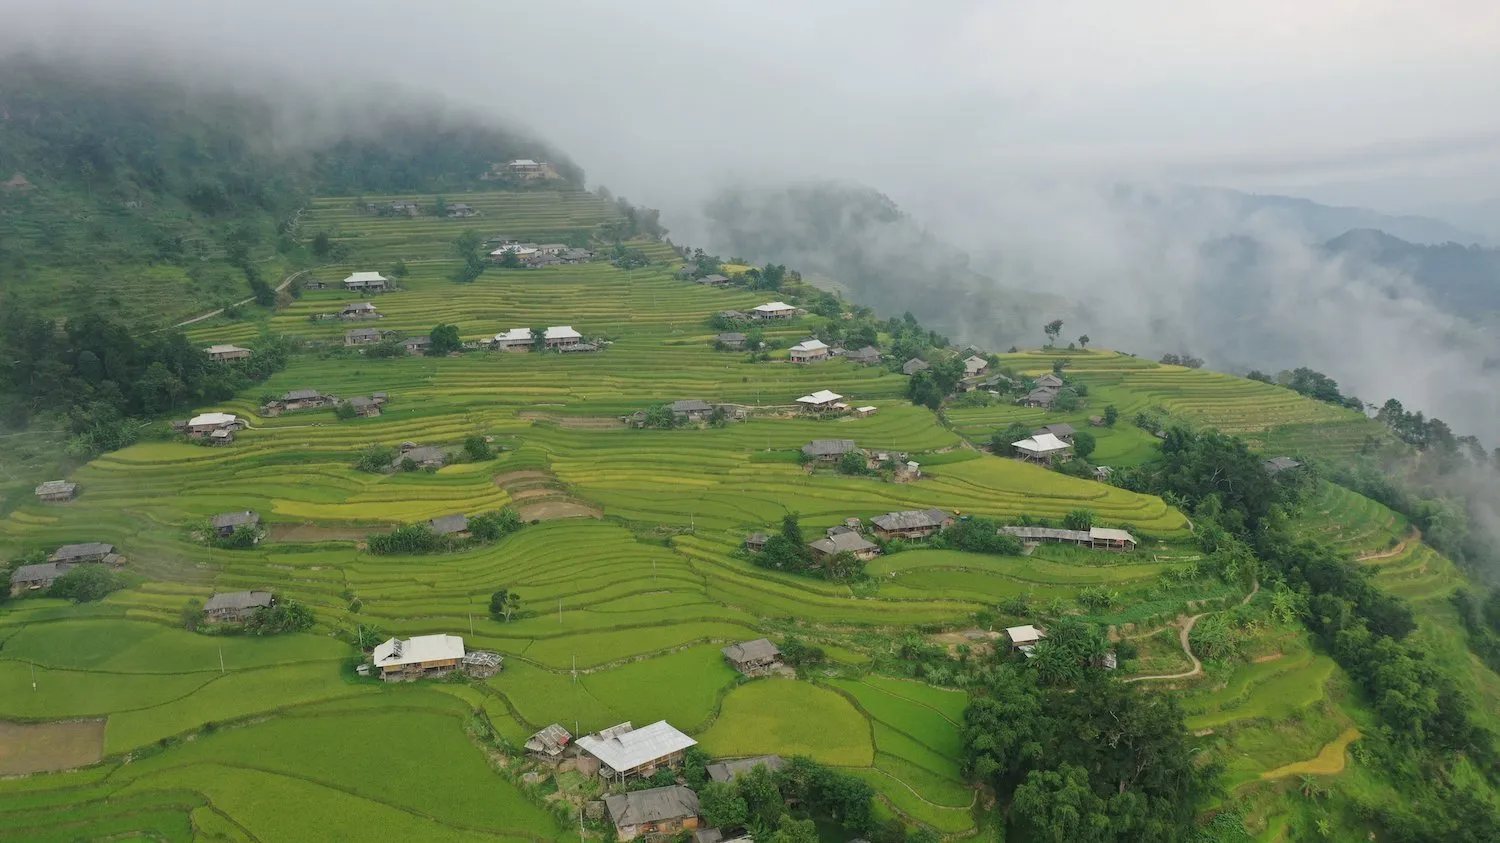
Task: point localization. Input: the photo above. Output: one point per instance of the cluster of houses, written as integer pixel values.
(42, 575)
(537, 254)
(691, 411)
(1044, 393)
(429, 656)
(297, 400)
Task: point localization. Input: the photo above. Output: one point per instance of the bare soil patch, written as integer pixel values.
(1268, 657)
(44, 747)
(516, 477)
(573, 422)
(543, 492)
(318, 533)
(551, 510)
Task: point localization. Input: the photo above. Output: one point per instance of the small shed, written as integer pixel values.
(235, 605)
(755, 542)
(753, 658)
(549, 742)
(56, 491)
(226, 523)
(731, 339)
(450, 525)
(854, 543)
(865, 412)
(1024, 636)
(725, 771)
(1280, 464)
(867, 356)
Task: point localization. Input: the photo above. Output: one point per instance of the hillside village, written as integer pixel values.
(724, 557)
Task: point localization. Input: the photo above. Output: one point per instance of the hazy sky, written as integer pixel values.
(904, 95)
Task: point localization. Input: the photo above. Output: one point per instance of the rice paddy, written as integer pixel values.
(623, 613)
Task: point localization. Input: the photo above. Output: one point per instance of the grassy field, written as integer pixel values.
(623, 614)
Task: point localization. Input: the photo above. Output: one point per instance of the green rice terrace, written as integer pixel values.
(629, 570)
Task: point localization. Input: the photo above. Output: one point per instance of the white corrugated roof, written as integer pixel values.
(869, 409)
(418, 648)
(224, 349)
(562, 332)
(772, 307)
(1042, 443)
(514, 335)
(822, 396)
(809, 345)
(630, 749)
(1111, 534)
(523, 162)
(212, 418)
(521, 251)
(364, 277)
(1027, 634)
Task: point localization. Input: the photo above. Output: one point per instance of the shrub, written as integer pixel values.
(1079, 519)
(979, 535)
(492, 525)
(413, 538)
(288, 616)
(86, 583)
(375, 458)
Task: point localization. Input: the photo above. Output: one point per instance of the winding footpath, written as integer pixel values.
(1183, 635)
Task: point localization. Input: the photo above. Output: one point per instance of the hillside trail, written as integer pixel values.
(1414, 536)
(285, 282)
(1187, 649)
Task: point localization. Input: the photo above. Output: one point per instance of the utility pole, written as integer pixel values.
(471, 624)
(575, 675)
(33, 679)
(559, 610)
(221, 660)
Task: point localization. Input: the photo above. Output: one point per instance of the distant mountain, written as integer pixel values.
(1460, 279)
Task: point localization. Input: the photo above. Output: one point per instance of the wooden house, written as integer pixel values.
(774, 310)
(361, 336)
(714, 281)
(1098, 538)
(365, 408)
(691, 410)
(56, 491)
(731, 340)
(1040, 397)
(823, 401)
(417, 345)
(865, 412)
(235, 606)
(625, 751)
(450, 525)
(755, 542)
(204, 424)
(1280, 464)
(1049, 381)
(911, 523)
(914, 365)
(423, 456)
(753, 658)
(850, 542)
(225, 353)
(867, 356)
(561, 336)
(526, 168)
(1041, 448)
(462, 210)
(974, 366)
(829, 450)
(75, 554)
(359, 310)
(366, 282)
(549, 742)
(417, 657)
(226, 523)
(1063, 432)
(663, 811)
(37, 577)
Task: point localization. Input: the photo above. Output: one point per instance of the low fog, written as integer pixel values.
(1002, 128)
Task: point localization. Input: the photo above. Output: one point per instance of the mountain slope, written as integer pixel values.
(1461, 279)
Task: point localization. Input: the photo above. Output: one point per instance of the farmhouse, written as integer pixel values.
(404, 208)
(1280, 464)
(365, 408)
(450, 525)
(225, 524)
(512, 339)
(914, 365)
(731, 339)
(1042, 448)
(86, 552)
(1040, 397)
(520, 250)
(844, 543)
(1098, 538)
(907, 471)
(692, 410)
(910, 524)
(417, 345)
(974, 366)
(221, 437)
(359, 310)
(867, 356)
(424, 457)
(822, 401)
(418, 656)
(735, 315)
(809, 351)
(714, 280)
(865, 412)
(755, 542)
(526, 168)
(575, 255)
(829, 450)
(1049, 381)
(753, 658)
(224, 353)
(37, 577)
(562, 336)
(462, 209)
(1061, 431)
(624, 750)
(54, 491)
(775, 310)
(209, 423)
(235, 605)
(298, 399)
(549, 742)
(725, 771)
(1024, 637)
(366, 282)
(361, 336)
(657, 810)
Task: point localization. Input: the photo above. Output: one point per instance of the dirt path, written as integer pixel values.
(285, 282)
(1414, 536)
(1183, 636)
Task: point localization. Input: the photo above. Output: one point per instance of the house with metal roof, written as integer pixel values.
(1024, 637)
(418, 656)
(822, 401)
(829, 450)
(235, 606)
(359, 310)
(366, 282)
(206, 423)
(725, 771)
(1041, 448)
(225, 353)
(549, 742)
(54, 491)
(37, 577)
(808, 351)
(624, 750)
(559, 336)
(226, 523)
(657, 810)
(774, 310)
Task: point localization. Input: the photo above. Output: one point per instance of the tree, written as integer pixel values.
(1083, 444)
(853, 462)
(510, 260)
(1001, 441)
(503, 603)
(192, 615)
(1083, 341)
(1059, 806)
(538, 339)
(490, 526)
(322, 246)
(791, 830)
(1066, 400)
(1111, 415)
(762, 797)
(444, 340)
(1079, 519)
(440, 207)
(467, 243)
(86, 583)
(1052, 330)
(721, 806)
(791, 529)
